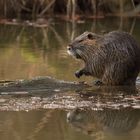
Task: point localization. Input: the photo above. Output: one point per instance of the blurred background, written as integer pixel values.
(70, 9)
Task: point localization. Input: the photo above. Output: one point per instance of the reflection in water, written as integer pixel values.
(112, 117)
(117, 122)
(37, 125)
(83, 124)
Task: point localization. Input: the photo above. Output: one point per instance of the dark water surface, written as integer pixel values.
(51, 109)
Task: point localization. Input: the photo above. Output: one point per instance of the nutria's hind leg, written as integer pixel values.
(119, 74)
(114, 74)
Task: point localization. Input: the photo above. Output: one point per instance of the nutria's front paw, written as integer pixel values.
(78, 74)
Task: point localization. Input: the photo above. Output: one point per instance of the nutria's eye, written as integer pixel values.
(90, 36)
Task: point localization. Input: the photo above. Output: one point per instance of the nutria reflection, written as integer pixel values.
(107, 112)
(106, 120)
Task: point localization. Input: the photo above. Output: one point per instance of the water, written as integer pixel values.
(53, 124)
(101, 114)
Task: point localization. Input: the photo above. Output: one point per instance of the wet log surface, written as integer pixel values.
(39, 85)
(49, 93)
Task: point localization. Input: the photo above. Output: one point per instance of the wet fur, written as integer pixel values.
(114, 58)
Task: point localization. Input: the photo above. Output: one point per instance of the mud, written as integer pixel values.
(49, 93)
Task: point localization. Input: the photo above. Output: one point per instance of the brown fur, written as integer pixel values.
(114, 58)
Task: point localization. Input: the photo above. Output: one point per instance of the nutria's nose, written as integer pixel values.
(69, 48)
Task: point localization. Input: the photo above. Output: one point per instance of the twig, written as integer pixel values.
(68, 8)
(60, 40)
(47, 7)
(73, 9)
(133, 26)
(133, 4)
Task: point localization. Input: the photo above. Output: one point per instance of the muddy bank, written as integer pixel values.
(69, 101)
(49, 93)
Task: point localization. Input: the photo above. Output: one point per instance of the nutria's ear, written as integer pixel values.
(90, 36)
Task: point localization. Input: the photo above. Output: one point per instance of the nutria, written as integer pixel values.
(114, 58)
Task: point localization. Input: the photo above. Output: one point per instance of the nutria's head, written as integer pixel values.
(83, 46)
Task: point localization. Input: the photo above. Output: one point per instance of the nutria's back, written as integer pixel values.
(114, 58)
